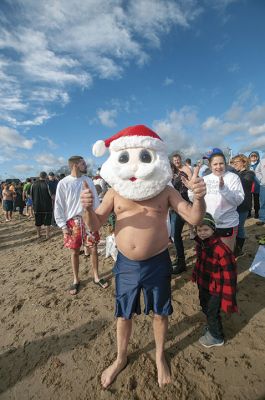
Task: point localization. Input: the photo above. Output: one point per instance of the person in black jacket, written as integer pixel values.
(42, 204)
(241, 164)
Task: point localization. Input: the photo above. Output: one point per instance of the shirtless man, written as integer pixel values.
(8, 200)
(138, 171)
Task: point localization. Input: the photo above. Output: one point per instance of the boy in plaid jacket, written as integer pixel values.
(216, 276)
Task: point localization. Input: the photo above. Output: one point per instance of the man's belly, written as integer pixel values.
(141, 244)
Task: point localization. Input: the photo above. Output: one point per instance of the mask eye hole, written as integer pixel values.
(145, 156)
(124, 157)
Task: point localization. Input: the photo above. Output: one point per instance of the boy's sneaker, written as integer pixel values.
(208, 340)
(205, 329)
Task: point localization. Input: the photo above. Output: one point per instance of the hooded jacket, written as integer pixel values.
(260, 172)
(253, 167)
(216, 271)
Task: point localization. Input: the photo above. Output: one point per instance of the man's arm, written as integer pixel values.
(59, 208)
(194, 213)
(95, 219)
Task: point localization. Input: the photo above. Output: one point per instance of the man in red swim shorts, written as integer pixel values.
(68, 215)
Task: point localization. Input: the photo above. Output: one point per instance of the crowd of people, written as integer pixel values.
(214, 197)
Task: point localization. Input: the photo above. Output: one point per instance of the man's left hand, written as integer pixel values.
(196, 184)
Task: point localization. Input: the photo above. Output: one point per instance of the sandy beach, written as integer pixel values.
(55, 346)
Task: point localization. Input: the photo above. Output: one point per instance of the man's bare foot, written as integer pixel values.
(102, 283)
(74, 288)
(163, 373)
(109, 375)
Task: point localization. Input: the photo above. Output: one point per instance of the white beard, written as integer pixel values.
(152, 178)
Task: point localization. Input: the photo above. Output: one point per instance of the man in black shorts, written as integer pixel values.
(42, 204)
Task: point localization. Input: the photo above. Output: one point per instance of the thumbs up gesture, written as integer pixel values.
(196, 184)
(86, 197)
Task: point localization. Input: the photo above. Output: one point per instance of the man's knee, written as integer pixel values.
(75, 252)
(160, 318)
(123, 320)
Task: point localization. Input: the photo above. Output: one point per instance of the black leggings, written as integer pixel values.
(178, 224)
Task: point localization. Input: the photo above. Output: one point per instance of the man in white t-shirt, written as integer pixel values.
(68, 215)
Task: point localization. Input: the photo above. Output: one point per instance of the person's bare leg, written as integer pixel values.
(38, 228)
(124, 330)
(160, 326)
(75, 268)
(48, 228)
(94, 262)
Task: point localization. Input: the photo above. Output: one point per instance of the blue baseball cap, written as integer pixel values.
(213, 152)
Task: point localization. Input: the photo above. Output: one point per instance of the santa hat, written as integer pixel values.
(133, 136)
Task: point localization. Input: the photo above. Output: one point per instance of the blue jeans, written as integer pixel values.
(242, 219)
(262, 203)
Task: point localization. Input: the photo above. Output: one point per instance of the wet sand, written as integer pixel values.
(55, 346)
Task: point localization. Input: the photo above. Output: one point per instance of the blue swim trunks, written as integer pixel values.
(152, 276)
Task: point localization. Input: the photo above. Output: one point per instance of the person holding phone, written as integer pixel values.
(224, 194)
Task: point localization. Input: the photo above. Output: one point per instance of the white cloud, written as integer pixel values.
(49, 160)
(49, 141)
(258, 144)
(23, 168)
(11, 138)
(47, 95)
(107, 117)
(234, 113)
(182, 131)
(256, 115)
(54, 46)
(257, 130)
(177, 130)
(3, 159)
(168, 82)
(211, 123)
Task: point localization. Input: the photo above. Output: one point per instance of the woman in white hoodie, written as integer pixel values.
(224, 194)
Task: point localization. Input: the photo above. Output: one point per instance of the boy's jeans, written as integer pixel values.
(211, 308)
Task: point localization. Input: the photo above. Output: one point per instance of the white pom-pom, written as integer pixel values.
(99, 148)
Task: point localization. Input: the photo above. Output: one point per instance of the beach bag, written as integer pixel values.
(111, 249)
(258, 264)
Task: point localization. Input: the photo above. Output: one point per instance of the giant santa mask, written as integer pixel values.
(138, 167)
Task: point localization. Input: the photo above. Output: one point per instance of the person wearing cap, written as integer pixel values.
(260, 174)
(224, 194)
(216, 277)
(68, 216)
(254, 160)
(139, 173)
(42, 204)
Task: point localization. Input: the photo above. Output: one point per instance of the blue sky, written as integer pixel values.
(73, 72)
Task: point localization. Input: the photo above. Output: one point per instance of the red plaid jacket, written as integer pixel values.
(216, 270)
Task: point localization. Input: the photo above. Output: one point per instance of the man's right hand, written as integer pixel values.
(86, 197)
